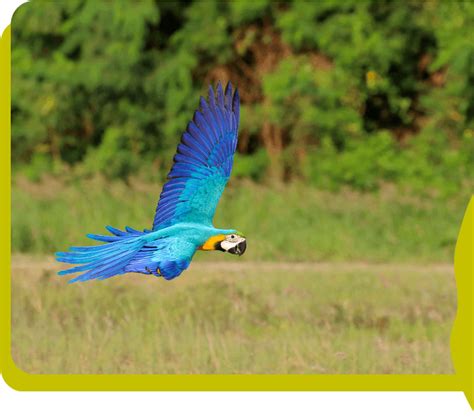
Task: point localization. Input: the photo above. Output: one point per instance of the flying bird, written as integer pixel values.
(183, 219)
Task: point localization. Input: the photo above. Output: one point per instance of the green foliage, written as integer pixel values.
(362, 165)
(113, 157)
(357, 93)
(252, 166)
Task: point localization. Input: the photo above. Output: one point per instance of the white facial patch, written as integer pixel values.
(231, 241)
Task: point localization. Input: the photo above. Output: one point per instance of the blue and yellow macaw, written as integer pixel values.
(183, 218)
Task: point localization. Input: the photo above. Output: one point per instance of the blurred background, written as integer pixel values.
(356, 150)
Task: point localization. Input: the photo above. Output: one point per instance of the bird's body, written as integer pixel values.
(183, 218)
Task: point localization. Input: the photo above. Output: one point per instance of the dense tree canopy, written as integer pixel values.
(333, 92)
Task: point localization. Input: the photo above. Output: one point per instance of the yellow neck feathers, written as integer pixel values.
(210, 244)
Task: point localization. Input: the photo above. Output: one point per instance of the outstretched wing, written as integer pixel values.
(202, 163)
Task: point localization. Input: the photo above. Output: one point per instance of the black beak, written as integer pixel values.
(239, 249)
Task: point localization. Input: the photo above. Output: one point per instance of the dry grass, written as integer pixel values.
(236, 317)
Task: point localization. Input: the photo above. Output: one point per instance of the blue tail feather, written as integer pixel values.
(103, 238)
(113, 257)
(134, 231)
(103, 261)
(128, 230)
(106, 269)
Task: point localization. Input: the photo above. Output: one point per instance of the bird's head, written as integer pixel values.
(233, 243)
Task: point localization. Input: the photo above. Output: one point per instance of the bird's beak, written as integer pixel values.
(239, 248)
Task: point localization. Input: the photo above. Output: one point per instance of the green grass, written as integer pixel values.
(241, 315)
(289, 223)
(236, 317)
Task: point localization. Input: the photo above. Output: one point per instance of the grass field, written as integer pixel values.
(330, 283)
(236, 316)
(282, 223)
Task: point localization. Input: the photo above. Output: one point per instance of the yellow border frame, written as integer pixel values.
(462, 340)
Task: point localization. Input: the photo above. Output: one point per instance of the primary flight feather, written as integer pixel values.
(183, 218)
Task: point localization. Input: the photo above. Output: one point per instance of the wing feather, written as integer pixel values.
(202, 163)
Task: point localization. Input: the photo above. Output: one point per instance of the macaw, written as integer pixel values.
(183, 218)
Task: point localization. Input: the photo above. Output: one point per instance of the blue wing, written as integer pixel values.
(202, 163)
(167, 257)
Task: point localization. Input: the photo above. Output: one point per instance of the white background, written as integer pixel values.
(225, 405)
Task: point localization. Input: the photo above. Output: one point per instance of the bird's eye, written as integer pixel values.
(232, 236)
